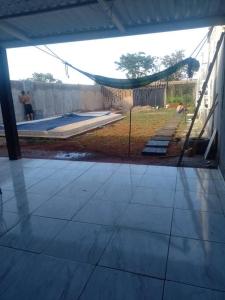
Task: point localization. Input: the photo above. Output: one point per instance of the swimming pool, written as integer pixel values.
(52, 123)
(65, 126)
(46, 125)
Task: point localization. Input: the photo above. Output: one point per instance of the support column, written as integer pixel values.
(8, 113)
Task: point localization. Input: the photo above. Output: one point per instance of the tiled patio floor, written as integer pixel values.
(83, 230)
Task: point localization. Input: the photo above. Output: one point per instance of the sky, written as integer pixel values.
(98, 56)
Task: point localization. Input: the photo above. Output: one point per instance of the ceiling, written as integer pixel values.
(29, 22)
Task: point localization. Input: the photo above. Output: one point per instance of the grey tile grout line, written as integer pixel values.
(22, 251)
(27, 250)
(106, 225)
(220, 201)
(178, 208)
(111, 238)
(135, 203)
(197, 286)
(20, 219)
(92, 195)
(114, 230)
(30, 186)
(83, 173)
(117, 228)
(30, 214)
(21, 190)
(167, 257)
(27, 190)
(97, 262)
(158, 278)
(86, 283)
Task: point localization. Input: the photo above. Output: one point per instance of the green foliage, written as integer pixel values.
(136, 64)
(139, 64)
(44, 77)
(170, 60)
(184, 99)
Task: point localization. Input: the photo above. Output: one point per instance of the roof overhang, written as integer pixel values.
(24, 23)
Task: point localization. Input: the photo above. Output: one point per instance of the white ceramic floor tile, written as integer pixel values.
(149, 218)
(61, 207)
(199, 225)
(24, 203)
(154, 197)
(186, 199)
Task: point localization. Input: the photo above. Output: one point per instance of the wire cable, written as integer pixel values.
(50, 52)
(200, 44)
(200, 48)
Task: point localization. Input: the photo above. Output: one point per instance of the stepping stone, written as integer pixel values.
(154, 151)
(165, 133)
(155, 143)
(161, 138)
(158, 144)
(170, 127)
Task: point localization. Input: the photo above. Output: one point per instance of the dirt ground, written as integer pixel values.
(109, 143)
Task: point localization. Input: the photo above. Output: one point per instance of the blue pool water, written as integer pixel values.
(46, 125)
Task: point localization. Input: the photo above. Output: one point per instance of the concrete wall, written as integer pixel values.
(53, 99)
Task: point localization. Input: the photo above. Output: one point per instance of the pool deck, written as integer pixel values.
(67, 131)
(107, 231)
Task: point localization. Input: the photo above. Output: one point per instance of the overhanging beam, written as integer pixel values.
(13, 31)
(8, 113)
(41, 10)
(109, 33)
(112, 15)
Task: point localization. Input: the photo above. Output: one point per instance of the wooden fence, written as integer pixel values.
(154, 95)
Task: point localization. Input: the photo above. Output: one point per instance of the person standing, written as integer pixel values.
(25, 99)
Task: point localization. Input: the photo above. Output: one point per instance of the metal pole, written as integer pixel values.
(7, 107)
(185, 111)
(129, 142)
(201, 97)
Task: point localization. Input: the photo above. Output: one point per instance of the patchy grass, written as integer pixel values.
(111, 140)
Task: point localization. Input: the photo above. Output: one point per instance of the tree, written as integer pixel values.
(44, 77)
(170, 60)
(136, 64)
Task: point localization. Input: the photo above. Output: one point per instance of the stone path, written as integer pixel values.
(159, 143)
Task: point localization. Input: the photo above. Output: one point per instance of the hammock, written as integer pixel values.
(192, 66)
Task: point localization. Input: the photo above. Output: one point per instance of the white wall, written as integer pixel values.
(216, 85)
(54, 99)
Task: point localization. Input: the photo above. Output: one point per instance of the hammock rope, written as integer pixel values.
(191, 63)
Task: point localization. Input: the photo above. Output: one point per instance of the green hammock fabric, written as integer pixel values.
(193, 65)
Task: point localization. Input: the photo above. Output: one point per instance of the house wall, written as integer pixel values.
(53, 99)
(221, 112)
(215, 86)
